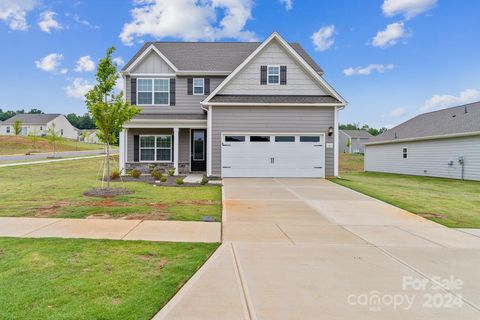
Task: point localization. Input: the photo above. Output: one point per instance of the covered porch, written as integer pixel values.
(163, 142)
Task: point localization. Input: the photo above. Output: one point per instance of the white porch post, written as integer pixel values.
(175, 149)
(335, 143)
(209, 141)
(122, 150)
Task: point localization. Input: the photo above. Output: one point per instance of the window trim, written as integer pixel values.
(268, 74)
(155, 148)
(404, 152)
(153, 92)
(203, 87)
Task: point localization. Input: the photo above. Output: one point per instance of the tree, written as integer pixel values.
(34, 137)
(17, 128)
(109, 110)
(349, 144)
(53, 136)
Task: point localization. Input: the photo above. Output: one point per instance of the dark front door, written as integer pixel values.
(199, 154)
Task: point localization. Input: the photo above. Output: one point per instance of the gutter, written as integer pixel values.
(437, 137)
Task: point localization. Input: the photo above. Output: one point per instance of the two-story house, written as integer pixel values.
(231, 109)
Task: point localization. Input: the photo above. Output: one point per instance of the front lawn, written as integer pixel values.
(350, 162)
(93, 279)
(56, 190)
(453, 203)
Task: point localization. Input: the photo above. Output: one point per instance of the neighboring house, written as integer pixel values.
(357, 139)
(231, 109)
(38, 124)
(444, 143)
(89, 136)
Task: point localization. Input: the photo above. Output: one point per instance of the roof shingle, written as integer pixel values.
(360, 134)
(32, 118)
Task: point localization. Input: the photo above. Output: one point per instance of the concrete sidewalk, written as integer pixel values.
(311, 249)
(176, 231)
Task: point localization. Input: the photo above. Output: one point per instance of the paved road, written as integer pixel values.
(65, 154)
(310, 249)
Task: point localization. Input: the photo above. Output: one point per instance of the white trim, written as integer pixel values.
(202, 73)
(153, 104)
(335, 143)
(154, 123)
(163, 75)
(302, 61)
(209, 140)
(268, 79)
(154, 148)
(121, 151)
(203, 87)
(244, 104)
(145, 52)
(443, 136)
(189, 149)
(176, 138)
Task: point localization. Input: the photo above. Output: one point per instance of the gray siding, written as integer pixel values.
(271, 119)
(429, 158)
(248, 80)
(342, 142)
(152, 63)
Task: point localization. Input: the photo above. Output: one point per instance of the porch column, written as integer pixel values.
(175, 149)
(122, 150)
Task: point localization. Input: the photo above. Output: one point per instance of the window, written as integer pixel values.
(8, 129)
(198, 86)
(156, 148)
(273, 74)
(259, 139)
(198, 145)
(41, 128)
(153, 91)
(309, 139)
(61, 132)
(285, 139)
(405, 153)
(234, 138)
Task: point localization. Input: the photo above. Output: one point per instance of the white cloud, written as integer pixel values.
(50, 63)
(84, 22)
(189, 20)
(119, 61)
(85, 64)
(388, 126)
(14, 13)
(78, 88)
(47, 22)
(288, 4)
(323, 38)
(407, 8)
(438, 101)
(390, 36)
(365, 71)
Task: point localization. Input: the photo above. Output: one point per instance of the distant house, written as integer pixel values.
(38, 124)
(444, 143)
(89, 136)
(357, 139)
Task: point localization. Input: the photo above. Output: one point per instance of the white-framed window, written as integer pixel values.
(61, 132)
(8, 129)
(405, 153)
(156, 148)
(273, 74)
(153, 91)
(41, 128)
(198, 86)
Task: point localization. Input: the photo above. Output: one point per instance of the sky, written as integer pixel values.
(390, 59)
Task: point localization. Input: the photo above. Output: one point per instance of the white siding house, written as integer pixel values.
(38, 124)
(443, 143)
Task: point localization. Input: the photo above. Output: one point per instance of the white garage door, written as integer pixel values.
(273, 155)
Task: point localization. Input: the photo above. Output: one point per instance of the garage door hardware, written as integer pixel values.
(317, 167)
(224, 167)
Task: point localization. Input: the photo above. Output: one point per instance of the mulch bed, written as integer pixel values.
(171, 181)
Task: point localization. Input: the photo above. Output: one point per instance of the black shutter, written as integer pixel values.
(133, 91)
(207, 86)
(190, 86)
(263, 75)
(283, 75)
(172, 91)
(136, 148)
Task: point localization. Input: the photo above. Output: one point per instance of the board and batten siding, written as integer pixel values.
(270, 120)
(152, 63)
(427, 158)
(248, 80)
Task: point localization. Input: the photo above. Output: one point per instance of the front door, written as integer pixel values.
(198, 149)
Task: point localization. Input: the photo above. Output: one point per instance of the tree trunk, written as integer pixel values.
(108, 166)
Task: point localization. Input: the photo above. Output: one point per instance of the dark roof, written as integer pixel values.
(185, 116)
(33, 118)
(226, 98)
(212, 56)
(456, 120)
(357, 134)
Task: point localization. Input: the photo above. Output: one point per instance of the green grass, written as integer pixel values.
(93, 279)
(56, 190)
(10, 145)
(453, 203)
(350, 162)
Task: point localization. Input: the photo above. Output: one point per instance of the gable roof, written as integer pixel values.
(32, 118)
(357, 134)
(460, 120)
(210, 56)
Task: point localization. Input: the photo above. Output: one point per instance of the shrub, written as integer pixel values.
(135, 173)
(179, 181)
(157, 174)
(115, 174)
(171, 171)
(163, 179)
(204, 181)
(152, 168)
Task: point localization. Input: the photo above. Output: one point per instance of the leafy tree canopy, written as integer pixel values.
(366, 127)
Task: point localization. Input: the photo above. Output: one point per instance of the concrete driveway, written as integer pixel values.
(310, 249)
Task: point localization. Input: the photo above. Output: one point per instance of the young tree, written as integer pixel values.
(34, 137)
(17, 128)
(109, 110)
(349, 144)
(54, 137)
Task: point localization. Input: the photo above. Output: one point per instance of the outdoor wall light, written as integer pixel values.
(330, 131)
